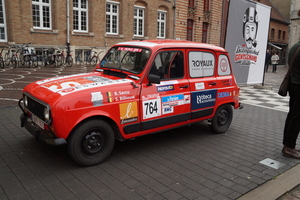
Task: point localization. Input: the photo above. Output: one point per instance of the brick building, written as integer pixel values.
(278, 37)
(102, 23)
(83, 23)
(199, 20)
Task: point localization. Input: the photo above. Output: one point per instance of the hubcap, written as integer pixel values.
(222, 118)
(92, 142)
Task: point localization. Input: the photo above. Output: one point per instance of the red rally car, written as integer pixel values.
(139, 87)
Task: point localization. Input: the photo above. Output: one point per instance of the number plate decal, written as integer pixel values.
(151, 108)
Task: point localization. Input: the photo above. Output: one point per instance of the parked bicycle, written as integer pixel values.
(95, 58)
(1, 59)
(28, 56)
(78, 57)
(11, 57)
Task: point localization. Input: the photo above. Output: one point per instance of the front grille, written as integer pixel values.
(36, 108)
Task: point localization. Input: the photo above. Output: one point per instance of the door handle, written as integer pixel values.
(185, 86)
(214, 83)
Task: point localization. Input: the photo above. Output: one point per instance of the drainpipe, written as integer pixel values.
(68, 27)
(174, 25)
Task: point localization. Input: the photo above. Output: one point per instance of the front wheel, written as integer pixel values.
(69, 61)
(222, 119)
(91, 142)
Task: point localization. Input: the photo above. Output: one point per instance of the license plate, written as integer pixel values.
(37, 121)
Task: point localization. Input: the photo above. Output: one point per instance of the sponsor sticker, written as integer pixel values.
(203, 99)
(199, 86)
(128, 112)
(165, 88)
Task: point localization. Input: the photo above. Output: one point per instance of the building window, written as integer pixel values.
(192, 3)
(112, 18)
(204, 32)
(283, 35)
(138, 26)
(189, 31)
(3, 33)
(279, 35)
(272, 33)
(41, 14)
(206, 5)
(161, 24)
(80, 15)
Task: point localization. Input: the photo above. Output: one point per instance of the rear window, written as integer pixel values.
(201, 64)
(224, 68)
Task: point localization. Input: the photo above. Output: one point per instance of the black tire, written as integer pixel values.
(69, 61)
(91, 142)
(27, 60)
(6, 59)
(59, 60)
(21, 59)
(222, 119)
(15, 63)
(1, 64)
(34, 61)
(94, 61)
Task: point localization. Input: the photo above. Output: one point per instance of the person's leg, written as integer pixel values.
(292, 125)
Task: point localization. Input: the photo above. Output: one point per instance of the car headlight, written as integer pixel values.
(47, 114)
(25, 100)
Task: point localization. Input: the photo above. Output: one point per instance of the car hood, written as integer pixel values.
(57, 87)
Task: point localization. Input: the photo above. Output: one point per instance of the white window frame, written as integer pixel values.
(160, 22)
(40, 4)
(137, 18)
(3, 25)
(80, 16)
(111, 15)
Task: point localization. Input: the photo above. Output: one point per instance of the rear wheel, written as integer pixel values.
(91, 142)
(59, 60)
(1, 63)
(94, 61)
(222, 119)
(69, 61)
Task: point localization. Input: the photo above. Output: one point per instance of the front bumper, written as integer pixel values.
(40, 134)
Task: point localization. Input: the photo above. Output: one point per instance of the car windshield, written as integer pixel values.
(131, 59)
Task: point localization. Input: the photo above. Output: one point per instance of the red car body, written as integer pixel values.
(139, 87)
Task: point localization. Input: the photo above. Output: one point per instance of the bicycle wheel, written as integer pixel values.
(1, 63)
(69, 61)
(34, 61)
(94, 61)
(6, 59)
(21, 59)
(27, 61)
(59, 60)
(52, 62)
(14, 61)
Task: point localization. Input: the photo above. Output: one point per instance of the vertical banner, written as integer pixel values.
(247, 38)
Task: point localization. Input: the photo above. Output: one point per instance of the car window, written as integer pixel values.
(168, 65)
(224, 68)
(132, 59)
(201, 64)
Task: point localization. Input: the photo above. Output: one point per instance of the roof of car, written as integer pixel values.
(171, 44)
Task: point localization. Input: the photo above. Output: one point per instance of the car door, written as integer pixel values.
(203, 83)
(168, 103)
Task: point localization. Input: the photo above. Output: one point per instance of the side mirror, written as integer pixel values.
(153, 79)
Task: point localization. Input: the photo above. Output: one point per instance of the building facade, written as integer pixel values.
(83, 23)
(295, 22)
(278, 37)
(199, 20)
(80, 24)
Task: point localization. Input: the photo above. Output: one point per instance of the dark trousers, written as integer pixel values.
(274, 68)
(292, 123)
